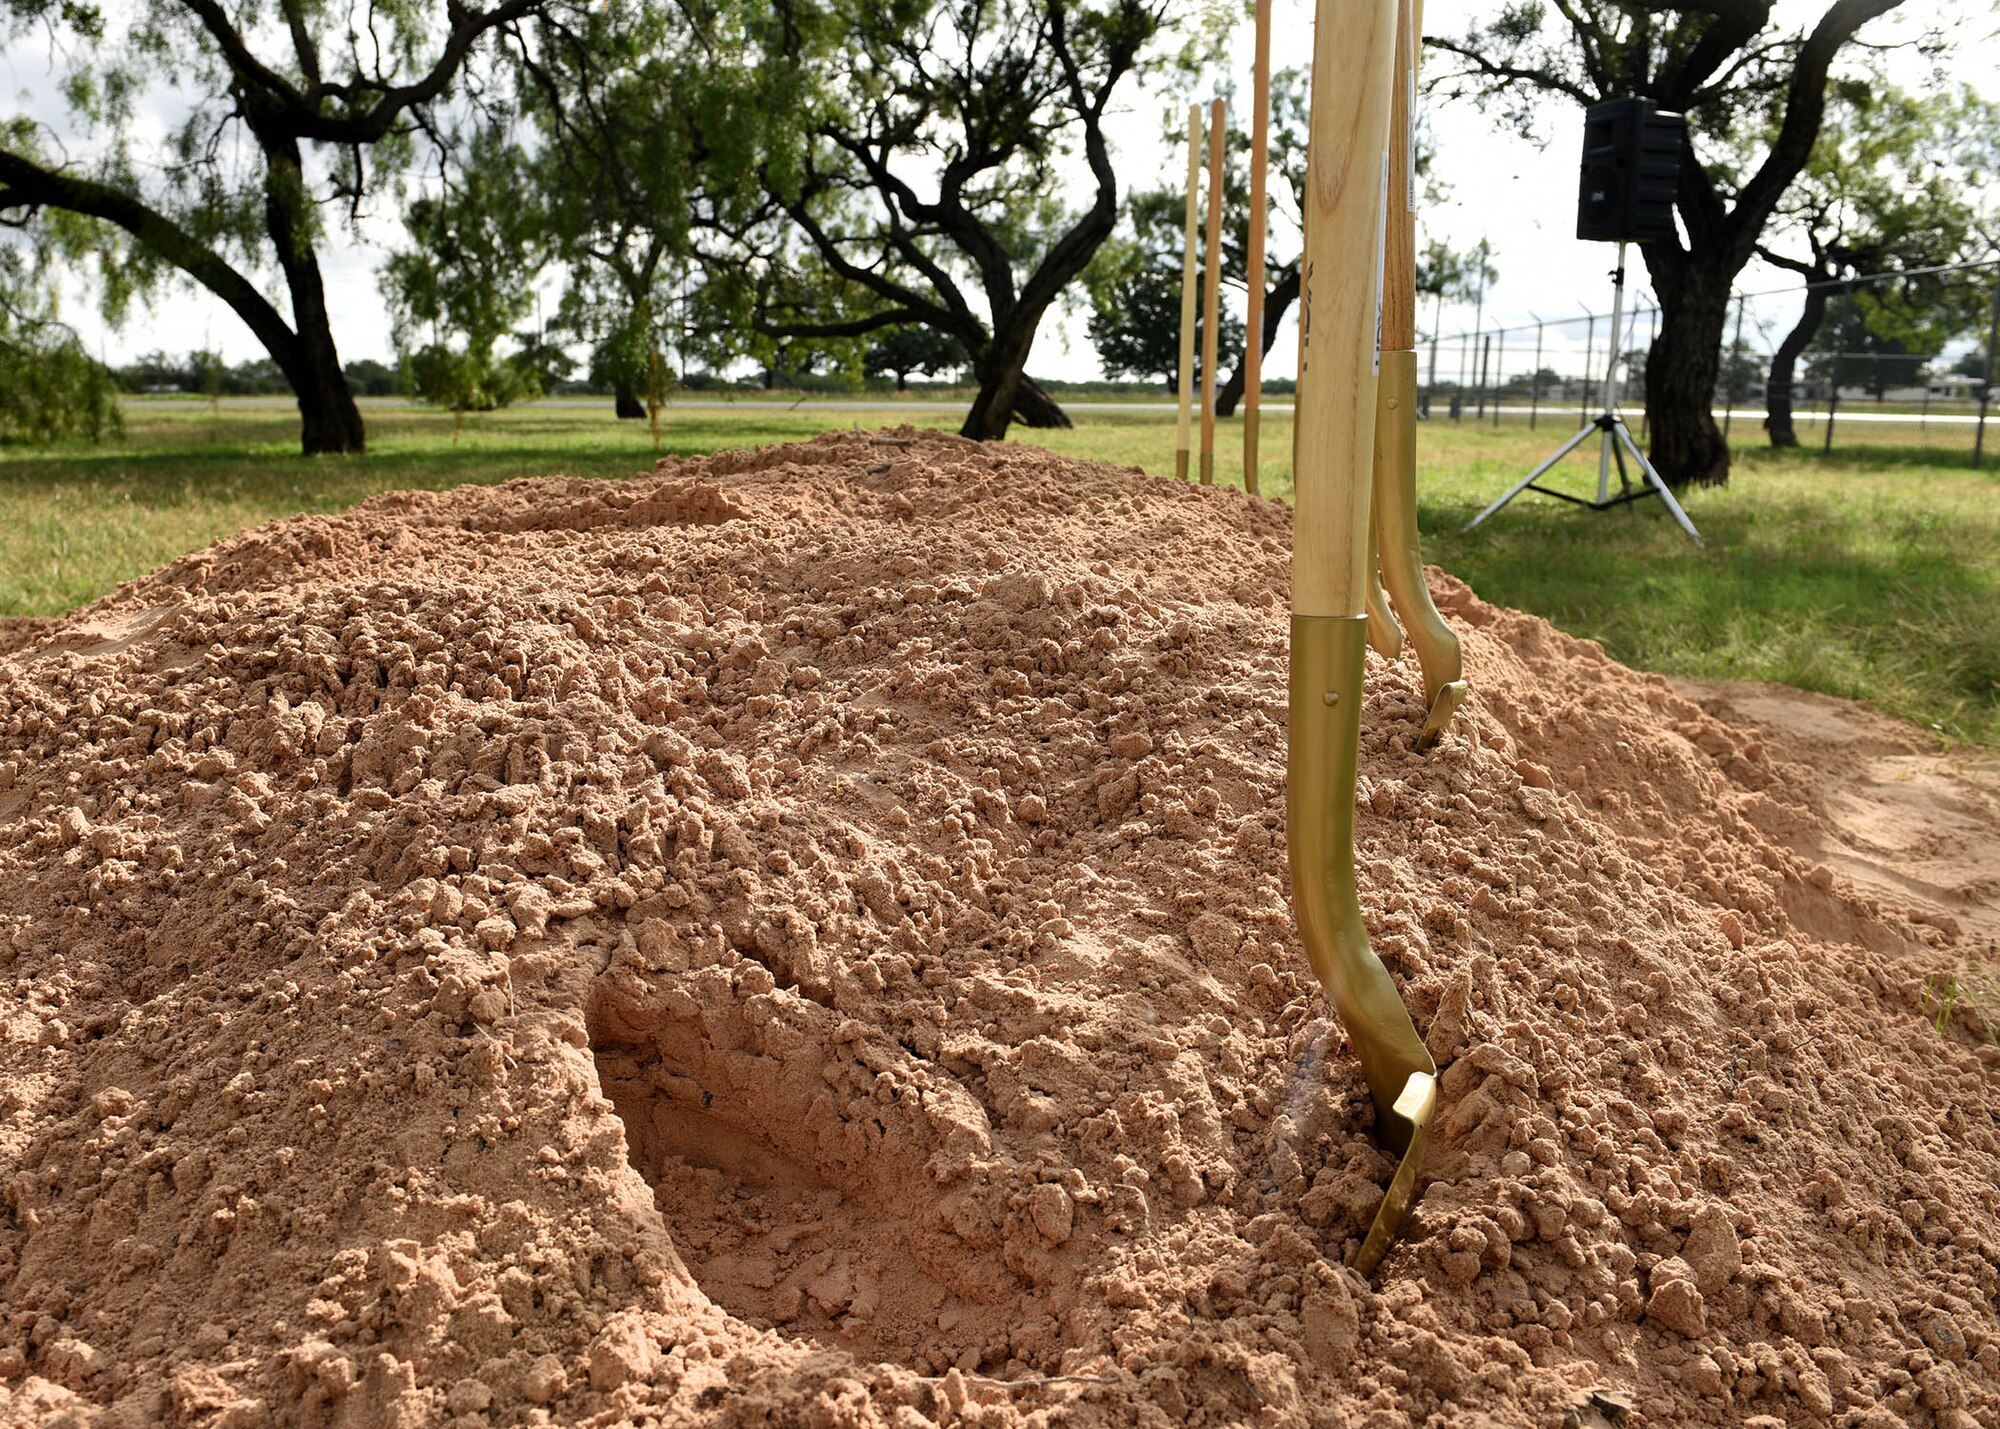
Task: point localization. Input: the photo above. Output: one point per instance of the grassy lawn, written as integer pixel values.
(1873, 573)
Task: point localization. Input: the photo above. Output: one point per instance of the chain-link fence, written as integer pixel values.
(1858, 379)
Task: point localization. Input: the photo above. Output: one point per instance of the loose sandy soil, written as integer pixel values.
(1901, 816)
(803, 938)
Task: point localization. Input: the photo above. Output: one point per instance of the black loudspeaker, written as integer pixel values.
(1631, 167)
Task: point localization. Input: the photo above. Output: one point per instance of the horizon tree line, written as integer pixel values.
(848, 186)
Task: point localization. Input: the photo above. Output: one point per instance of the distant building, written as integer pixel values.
(1953, 387)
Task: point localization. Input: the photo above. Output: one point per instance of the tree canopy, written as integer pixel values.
(1896, 183)
(640, 124)
(49, 386)
(465, 280)
(901, 351)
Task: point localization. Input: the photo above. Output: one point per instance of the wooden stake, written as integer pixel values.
(1211, 306)
(1253, 323)
(1187, 291)
(1354, 52)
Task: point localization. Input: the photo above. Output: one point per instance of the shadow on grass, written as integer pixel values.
(1951, 452)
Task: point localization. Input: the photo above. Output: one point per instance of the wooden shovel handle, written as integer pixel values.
(1399, 275)
(1354, 52)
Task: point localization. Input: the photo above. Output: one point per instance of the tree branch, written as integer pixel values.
(365, 121)
(26, 184)
(1504, 74)
(880, 284)
(856, 327)
(1805, 108)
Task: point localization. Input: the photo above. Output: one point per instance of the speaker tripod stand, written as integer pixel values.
(1616, 442)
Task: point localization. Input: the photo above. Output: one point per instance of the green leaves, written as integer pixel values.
(50, 387)
(289, 107)
(1896, 181)
(465, 380)
(467, 276)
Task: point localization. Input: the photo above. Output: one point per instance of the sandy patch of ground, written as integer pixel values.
(1902, 816)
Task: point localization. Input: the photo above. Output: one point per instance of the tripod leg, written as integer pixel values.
(1660, 486)
(1525, 482)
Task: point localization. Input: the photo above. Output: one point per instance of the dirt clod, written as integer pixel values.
(786, 940)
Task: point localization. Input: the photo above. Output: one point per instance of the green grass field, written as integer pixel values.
(1873, 573)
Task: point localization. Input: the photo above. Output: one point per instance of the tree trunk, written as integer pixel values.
(902, 381)
(627, 403)
(1276, 304)
(329, 420)
(1006, 392)
(1036, 408)
(1684, 364)
(1784, 362)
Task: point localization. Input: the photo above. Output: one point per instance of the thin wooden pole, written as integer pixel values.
(1187, 291)
(1211, 302)
(1499, 375)
(1253, 323)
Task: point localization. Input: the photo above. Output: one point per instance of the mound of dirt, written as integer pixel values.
(803, 938)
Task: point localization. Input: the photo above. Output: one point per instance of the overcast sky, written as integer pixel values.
(1519, 197)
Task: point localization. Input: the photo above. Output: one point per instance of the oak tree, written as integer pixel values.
(938, 137)
(292, 109)
(1892, 188)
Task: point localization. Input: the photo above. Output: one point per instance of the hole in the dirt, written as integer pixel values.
(802, 1207)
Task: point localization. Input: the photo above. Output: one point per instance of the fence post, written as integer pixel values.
(1589, 348)
(1735, 356)
(1652, 341)
(1631, 381)
(1535, 380)
(1485, 371)
(1458, 396)
(1986, 392)
(1499, 377)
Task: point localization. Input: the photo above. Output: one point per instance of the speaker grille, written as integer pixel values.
(1629, 172)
